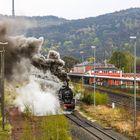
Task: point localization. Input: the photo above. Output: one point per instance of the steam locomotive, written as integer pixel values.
(66, 97)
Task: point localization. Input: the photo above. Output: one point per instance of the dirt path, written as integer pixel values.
(16, 119)
(23, 126)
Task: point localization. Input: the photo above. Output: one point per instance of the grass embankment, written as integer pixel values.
(46, 128)
(9, 96)
(120, 119)
(6, 133)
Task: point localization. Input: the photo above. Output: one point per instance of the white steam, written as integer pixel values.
(39, 102)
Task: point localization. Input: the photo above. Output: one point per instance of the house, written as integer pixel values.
(100, 70)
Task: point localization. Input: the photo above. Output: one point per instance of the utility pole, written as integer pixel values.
(83, 71)
(135, 97)
(2, 52)
(94, 48)
(13, 8)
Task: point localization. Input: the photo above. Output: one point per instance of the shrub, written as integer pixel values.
(77, 88)
(100, 98)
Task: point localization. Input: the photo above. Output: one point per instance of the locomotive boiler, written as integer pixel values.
(66, 97)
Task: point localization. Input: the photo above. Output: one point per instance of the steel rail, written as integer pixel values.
(89, 128)
(99, 129)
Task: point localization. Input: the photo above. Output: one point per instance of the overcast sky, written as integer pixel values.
(70, 9)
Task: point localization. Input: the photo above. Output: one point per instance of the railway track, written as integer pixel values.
(123, 101)
(96, 132)
(120, 100)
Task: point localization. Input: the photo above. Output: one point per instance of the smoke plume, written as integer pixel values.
(22, 59)
(18, 48)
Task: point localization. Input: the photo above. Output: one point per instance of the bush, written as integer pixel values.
(77, 88)
(100, 98)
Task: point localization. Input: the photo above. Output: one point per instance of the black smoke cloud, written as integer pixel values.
(20, 47)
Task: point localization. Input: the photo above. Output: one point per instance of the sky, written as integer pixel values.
(69, 9)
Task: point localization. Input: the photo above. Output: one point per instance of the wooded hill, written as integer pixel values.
(109, 32)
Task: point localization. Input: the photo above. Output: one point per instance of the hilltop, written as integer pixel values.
(108, 32)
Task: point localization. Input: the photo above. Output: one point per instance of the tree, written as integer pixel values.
(138, 65)
(122, 60)
(90, 59)
(118, 59)
(69, 62)
(129, 65)
(96, 42)
(67, 44)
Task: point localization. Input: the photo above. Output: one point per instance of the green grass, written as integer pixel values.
(46, 128)
(6, 133)
(88, 95)
(100, 98)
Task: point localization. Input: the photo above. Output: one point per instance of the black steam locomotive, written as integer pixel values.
(66, 97)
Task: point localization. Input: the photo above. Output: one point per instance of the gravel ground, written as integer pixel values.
(79, 133)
